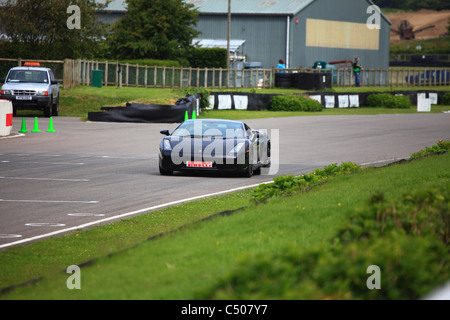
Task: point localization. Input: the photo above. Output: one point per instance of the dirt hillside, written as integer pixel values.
(418, 20)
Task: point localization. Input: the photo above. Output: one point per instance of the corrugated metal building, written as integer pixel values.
(297, 31)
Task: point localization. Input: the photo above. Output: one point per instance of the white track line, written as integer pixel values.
(49, 201)
(45, 179)
(381, 161)
(120, 216)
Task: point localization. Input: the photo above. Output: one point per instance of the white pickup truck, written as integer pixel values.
(31, 87)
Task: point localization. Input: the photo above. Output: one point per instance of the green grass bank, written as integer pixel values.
(77, 102)
(308, 245)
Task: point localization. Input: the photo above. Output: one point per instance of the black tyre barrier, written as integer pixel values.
(303, 80)
(311, 81)
(283, 80)
(142, 113)
(258, 101)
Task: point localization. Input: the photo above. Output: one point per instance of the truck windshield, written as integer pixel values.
(35, 76)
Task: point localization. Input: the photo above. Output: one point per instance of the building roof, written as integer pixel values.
(283, 7)
(237, 6)
(257, 7)
(114, 5)
(235, 45)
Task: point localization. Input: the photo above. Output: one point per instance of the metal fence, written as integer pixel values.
(392, 77)
(79, 72)
(57, 66)
(135, 75)
(409, 56)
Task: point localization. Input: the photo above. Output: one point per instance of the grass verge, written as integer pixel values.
(77, 102)
(201, 260)
(244, 114)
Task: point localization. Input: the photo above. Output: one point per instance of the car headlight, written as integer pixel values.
(166, 145)
(6, 92)
(41, 93)
(236, 148)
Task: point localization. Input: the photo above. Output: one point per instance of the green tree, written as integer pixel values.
(159, 29)
(38, 29)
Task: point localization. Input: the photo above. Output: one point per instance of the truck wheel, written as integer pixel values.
(55, 107)
(48, 110)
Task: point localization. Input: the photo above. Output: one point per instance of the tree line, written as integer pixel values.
(46, 29)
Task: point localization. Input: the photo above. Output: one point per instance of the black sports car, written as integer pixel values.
(214, 145)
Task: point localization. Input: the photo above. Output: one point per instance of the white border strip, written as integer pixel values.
(120, 216)
(13, 136)
(50, 201)
(45, 179)
(144, 210)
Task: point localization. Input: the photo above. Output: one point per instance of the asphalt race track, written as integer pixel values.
(86, 173)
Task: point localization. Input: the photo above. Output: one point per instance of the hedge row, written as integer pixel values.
(294, 103)
(208, 58)
(441, 146)
(407, 240)
(386, 100)
(288, 184)
(446, 99)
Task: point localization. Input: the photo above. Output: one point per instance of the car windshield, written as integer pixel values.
(35, 76)
(207, 129)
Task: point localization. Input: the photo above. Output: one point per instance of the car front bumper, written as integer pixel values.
(35, 102)
(226, 164)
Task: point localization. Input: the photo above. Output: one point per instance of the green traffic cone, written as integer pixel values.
(23, 129)
(50, 125)
(186, 116)
(193, 114)
(36, 126)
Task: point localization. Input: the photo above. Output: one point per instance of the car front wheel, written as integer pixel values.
(164, 172)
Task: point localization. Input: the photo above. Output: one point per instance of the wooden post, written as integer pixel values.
(137, 75)
(173, 77)
(120, 76)
(198, 78)
(145, 76)
(106, 73)
(127, 70)
(164, 77)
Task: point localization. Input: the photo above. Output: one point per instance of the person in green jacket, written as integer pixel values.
(357, 71)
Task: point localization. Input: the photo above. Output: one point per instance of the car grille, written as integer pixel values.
(24, 92)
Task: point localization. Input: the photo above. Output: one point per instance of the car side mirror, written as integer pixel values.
(54, 81)
(165, 132)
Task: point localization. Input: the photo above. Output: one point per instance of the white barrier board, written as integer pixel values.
(224, 102)
(6, 117)
(240, 102)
